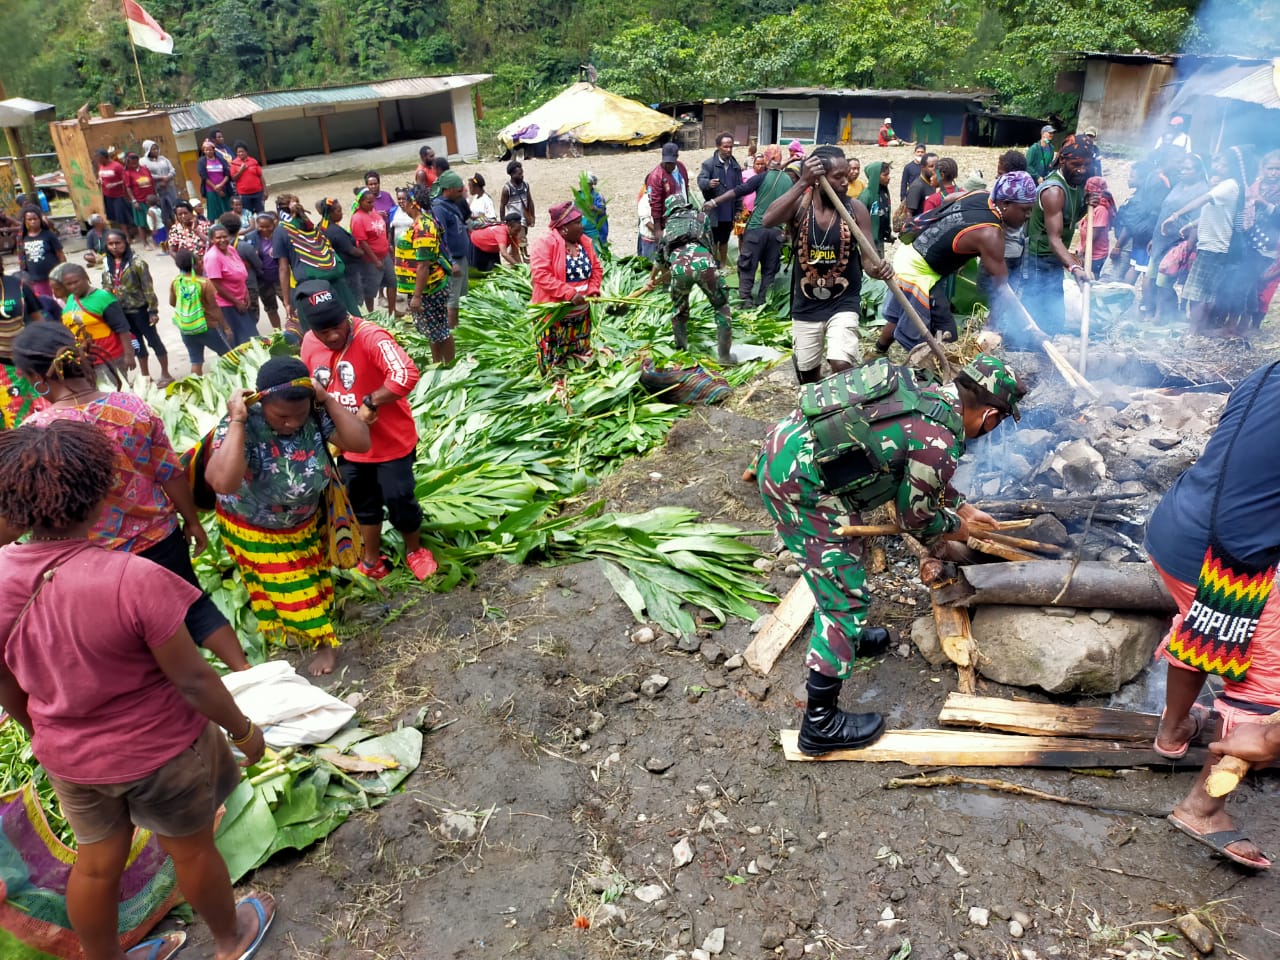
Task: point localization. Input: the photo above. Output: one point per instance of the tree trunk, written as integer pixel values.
(1036, 583)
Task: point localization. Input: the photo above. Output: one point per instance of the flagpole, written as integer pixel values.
(124, 6)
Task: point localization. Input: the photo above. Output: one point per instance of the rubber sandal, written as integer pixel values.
(421, 562)
(159, 948)
(376, 572)
(1199, 715)
(1219, 841)
(264, 922)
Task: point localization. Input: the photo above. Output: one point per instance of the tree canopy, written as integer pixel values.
(74, 51)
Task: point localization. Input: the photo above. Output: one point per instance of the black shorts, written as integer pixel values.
(389, 484)
(722, 231)
(203, 617)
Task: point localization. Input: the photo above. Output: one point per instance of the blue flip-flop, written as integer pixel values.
(156, 945)
(264, 923)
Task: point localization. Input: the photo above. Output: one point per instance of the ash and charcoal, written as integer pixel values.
(1111, 459)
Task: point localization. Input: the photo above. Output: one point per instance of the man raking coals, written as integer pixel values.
(939, 243)
(684, 261)
(873, 435)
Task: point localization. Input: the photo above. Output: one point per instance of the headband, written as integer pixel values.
(280, 388)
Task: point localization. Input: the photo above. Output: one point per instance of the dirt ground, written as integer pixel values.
(579, 786)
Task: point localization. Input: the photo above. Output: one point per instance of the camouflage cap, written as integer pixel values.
(997, 378)
(675, 202)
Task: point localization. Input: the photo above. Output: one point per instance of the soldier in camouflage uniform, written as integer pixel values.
(684, 261)
(862, 438)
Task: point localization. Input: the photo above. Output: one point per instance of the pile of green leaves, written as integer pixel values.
(289, 800)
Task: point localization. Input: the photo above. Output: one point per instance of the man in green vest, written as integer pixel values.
(1041, 153)
(871, 435)
(761, 246)
(1060, 203)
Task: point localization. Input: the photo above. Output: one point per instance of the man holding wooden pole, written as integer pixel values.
(860, 439)
(826, 286)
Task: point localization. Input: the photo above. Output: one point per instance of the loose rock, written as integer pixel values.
(648, 893)
(1196, 932)
(1015, 929)
(734, 663)
(758, 687)
(458, 827)
(659, 764)
(713, 653)
(714, 942)
(654, 684)
(925, 636)
(682, 853)
(643, 635)
(979, 916)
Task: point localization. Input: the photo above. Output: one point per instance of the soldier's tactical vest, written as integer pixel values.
(845, 413)
(684, 226)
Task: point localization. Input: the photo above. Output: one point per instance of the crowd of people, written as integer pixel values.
(90, 485)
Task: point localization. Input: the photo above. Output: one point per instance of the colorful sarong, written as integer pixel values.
(20, 399)
(34, 867)
(687, 385)
(287, 576)
(565, 333)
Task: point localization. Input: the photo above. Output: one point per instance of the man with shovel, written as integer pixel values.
(872, 435)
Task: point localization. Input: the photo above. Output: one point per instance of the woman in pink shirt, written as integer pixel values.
(124, 715)
(370, 232)
(228, 274)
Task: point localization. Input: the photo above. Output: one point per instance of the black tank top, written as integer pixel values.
(936, 243)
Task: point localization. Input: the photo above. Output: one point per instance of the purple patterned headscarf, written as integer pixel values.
(1014, 187)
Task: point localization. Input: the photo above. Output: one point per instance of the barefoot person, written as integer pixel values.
(270, 470)
(1229, 498)
(861, 439)
(125, 717)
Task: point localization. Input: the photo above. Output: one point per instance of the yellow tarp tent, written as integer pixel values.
(588, 114)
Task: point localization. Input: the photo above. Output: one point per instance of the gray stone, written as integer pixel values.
(714, 942)
(689, 643)
(1019, 647)
(758, 687)
(1046, 528)
(773, 936)
(793, 948)
(715, 680)
(1097, 616)
(1032, 443)
(711, 652)
(654, 684)
(1114, 554)
(659, 764)
(458, 827)
(734, 663)
(1132, 488)
(1062, 613)
(979, 916)
(925, 636)
(1164, 472)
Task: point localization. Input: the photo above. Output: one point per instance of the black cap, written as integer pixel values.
(670, 152)
(318, 306)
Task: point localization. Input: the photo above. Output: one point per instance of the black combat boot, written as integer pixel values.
(826, 727)
(875, 641)
(680, 331)
(724, 341)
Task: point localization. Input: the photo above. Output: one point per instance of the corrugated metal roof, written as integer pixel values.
(208, 113)
(874, 94)
(1216, 83)
(1262, 87)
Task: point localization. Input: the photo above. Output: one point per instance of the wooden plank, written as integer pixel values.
(1051, 719)
(964, 748)
(1000, 550)
(788, 619)
(955, 634)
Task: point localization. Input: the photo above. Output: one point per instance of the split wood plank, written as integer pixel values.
(787, 620)
(965, 748)
(955, 634)
(1051, 719)
(992, 549)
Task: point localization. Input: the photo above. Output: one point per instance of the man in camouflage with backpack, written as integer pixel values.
(872, 435)
(684, 261)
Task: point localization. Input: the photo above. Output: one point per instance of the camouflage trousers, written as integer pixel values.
(806, 518)
(694, 266)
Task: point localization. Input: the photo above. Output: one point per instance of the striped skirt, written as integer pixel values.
(564, 334)
(287, 576)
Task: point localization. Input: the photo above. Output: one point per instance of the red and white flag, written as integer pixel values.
(144, 30)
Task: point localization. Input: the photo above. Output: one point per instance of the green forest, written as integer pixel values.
(71, 52)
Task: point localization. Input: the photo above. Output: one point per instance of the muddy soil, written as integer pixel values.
(575, 786)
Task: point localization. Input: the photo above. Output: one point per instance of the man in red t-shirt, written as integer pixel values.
(362, 365)
(426, 173)
(112, 181)
(378, 269)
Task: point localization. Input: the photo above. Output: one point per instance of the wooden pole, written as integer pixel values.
(324, 136)
(13, 137)
(1226, 774)
(1069, 373)
(382, 125)
(136, 66)
(871, 258)
(1087, 302)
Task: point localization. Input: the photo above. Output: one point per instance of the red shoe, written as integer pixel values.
(377, 571)
(422, 563)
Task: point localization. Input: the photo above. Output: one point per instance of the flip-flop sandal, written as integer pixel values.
(159, 948)
(1199, 715)
(1219, 841)
(264, 923)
